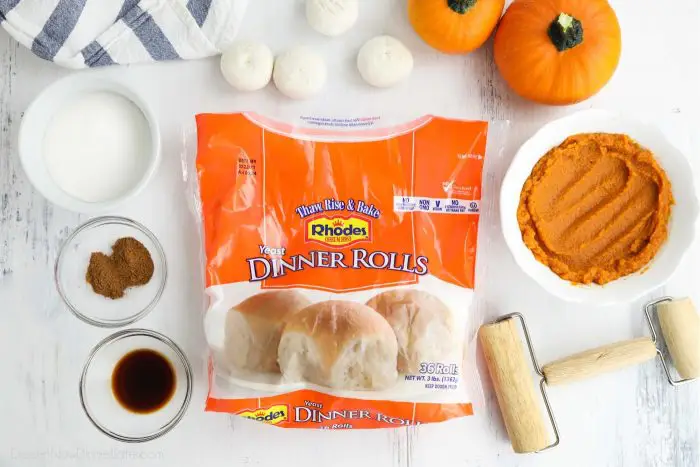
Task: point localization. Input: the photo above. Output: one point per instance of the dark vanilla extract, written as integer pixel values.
(143, 381)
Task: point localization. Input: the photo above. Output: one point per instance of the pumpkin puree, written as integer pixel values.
(595, 208)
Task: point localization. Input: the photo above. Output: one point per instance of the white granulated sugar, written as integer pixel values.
(97, 147)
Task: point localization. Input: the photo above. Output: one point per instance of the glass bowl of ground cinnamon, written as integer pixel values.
(111, 271)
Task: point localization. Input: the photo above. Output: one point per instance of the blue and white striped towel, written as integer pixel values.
(92, 33)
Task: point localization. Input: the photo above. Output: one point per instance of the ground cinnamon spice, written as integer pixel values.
(133, 261)
(102, 275)
(129, 265)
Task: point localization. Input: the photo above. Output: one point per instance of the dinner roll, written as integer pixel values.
(339, 344)
(253, 329)
(423, 325)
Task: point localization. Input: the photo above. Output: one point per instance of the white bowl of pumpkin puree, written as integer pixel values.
(599, 208)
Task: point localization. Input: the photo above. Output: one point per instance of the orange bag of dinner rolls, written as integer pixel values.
(339, 266)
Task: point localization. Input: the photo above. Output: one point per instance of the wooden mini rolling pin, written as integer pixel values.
(512, 374)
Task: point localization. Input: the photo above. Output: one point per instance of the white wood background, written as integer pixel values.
(631, 418)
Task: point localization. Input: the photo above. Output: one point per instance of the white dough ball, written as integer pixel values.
(247, 66)
(299, 73)
(384, 61)
(332, 17)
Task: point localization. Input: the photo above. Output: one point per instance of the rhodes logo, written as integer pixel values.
(272, 415)
(338, 231)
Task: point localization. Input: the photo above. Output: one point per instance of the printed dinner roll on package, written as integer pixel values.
(339, 267)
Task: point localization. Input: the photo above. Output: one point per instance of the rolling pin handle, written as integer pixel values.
(594, 362)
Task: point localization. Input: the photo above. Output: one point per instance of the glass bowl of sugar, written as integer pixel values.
(88, 144)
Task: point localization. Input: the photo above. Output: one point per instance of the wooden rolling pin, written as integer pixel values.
(512, 375)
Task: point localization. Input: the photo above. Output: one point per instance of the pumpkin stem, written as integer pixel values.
(566, 32)
(461, 6)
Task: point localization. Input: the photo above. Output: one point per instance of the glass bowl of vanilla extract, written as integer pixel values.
(136, 385)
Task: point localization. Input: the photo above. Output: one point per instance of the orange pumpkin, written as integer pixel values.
(454, 26)
(558, 51)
